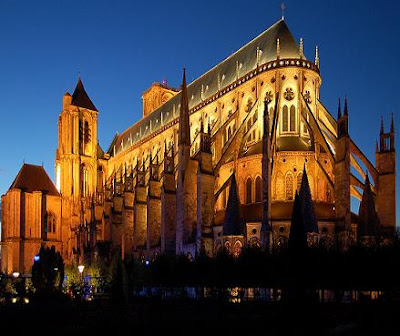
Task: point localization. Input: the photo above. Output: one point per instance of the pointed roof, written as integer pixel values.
(297, 242)
(339, 112)
(80, 97)
(220, 76)
(307, 205)
(184, 125)
(233, 224)
(346, 110)
(392, 124)
(368, 220)
(34, 178)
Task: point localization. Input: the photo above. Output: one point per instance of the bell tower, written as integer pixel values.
(76, 160)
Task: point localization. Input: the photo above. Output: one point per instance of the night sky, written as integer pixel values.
(121, 47)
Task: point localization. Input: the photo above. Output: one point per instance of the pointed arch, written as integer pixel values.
(237, 248)
(248, 190)
(285, 119)
(289, 186)
(292, 123)
(258, 196)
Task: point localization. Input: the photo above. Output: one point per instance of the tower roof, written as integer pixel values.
(34, 178)
(237, 65)
(80, 97)
(233, 224)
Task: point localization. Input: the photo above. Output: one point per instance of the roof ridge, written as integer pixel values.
(237, 51)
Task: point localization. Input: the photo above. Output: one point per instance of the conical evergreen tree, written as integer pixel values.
(307, 205)
(233, 224)
(368, 220)
(297, 242)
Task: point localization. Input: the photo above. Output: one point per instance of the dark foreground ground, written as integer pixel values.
(199, 318)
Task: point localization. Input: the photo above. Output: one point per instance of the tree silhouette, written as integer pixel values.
(48, 271)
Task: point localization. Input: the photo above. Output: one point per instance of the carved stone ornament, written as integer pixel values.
(307, 97)
(268, 97)
(289, 94)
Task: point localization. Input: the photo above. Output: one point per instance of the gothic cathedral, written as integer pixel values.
(214, 164)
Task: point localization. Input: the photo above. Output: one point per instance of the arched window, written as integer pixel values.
(285, 119)
(51, 223)
(237, 248)
(248, 191)
(258, 189)
(299, 178)
(289, 187)
(292, 118)
(87, 134)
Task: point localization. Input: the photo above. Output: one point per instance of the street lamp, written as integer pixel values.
(81, 268)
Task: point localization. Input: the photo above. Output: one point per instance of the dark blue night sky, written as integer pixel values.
(121, 47)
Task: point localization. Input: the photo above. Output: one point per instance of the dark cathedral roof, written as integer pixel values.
(80, 97)
(225, 73)
(34, 178)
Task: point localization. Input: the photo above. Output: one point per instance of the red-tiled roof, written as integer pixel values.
(34, 178)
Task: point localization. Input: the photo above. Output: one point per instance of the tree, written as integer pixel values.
(48, 271)
(119, 280)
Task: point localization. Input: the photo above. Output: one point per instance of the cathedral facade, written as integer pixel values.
(216, 164)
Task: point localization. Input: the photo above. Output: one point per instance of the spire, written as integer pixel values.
(283, 10)
(346, 112)
(80, 97)
(278, 49)
(382, 128)
(368, 220)
(184, 126)
(233, 224)
(316, 56)
(307, 205)
(392, 124)
(301, 48)
(339, 113)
